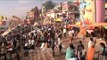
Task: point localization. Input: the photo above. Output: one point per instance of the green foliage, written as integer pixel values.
(49, 5)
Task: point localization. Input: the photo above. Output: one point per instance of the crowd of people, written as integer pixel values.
(28, 37)
(80, 52)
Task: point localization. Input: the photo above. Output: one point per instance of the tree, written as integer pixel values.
(49, 5)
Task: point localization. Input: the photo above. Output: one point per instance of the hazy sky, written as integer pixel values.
(20, 7)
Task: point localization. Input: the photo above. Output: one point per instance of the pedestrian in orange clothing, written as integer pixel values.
(91, 49)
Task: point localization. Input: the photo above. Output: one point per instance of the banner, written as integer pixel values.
(87, 12)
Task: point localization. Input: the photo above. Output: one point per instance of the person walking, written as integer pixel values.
(80, 50)
(71, 34)
(64, 32)
(70, 53)
(53, 46)
(83, 56)
(59, 44)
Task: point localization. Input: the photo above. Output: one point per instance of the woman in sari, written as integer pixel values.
(91, 49)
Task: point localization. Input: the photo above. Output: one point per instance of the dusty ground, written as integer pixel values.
(47, 54)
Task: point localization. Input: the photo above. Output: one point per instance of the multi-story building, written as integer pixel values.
(30, 15)
(71, 10)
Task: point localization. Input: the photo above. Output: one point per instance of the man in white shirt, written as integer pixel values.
(71, 33)
(64, 32)
(31, 43)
